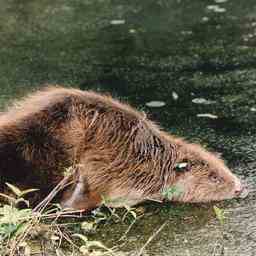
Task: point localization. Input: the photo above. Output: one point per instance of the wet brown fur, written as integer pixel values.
(116, 149)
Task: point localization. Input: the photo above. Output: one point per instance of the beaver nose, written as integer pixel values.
(239, 191)
(238, 187)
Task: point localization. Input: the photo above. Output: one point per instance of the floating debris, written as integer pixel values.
(203, 101)
(207, 115)
(212, 7)
(220, 1)
(216, 8)
(132, 31)
(253, 109)
(186, 32)
(220, 10)
(175, 96)
(117, 22)
(205, 19)
(155, 104)
(243, 47)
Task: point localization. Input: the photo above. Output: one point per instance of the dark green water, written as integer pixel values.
(158, 49)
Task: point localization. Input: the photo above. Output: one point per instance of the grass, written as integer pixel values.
(28, 231)
(47, 229)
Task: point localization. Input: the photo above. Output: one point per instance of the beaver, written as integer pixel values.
(118, 154)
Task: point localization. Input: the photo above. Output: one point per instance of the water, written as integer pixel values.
(144, 51)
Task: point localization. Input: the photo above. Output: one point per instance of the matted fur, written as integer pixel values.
(117, 151)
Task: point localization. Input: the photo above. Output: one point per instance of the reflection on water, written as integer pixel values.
(167, 51)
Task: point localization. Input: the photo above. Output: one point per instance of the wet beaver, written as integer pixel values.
(118, 154)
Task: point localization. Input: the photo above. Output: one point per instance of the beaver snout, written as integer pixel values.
(240, 189)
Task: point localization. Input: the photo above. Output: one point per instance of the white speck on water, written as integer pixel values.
(243, 47)
(132, 31)
(186, 32)
(117, 22)
(205, 19)
(253, 109)
(212, 7)
(220, 10)
(208, 115)
(220, 1)
(203, 101)
(175, 96)
(155, 104)
(216, 8)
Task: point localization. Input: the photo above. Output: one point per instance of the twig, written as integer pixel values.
(42, 205)
(151, 238)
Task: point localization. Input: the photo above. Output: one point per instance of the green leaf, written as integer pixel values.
(14, 189)
(26, 191)
(172, 191)
(13, 215)
(12, 199)
(219, 214)
(7, 230)
(82, 237)
(85, 225)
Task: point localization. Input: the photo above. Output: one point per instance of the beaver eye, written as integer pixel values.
(213, 177)
(182, 166)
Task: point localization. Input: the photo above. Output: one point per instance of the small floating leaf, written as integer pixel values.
(186, 32)
(203, 101)
(220, 1)
(117, 22)
(220, 10)
(212, 7)
(205, 19)
(175, 96)
(155, 104)
(216, 8)
(207, 115)
(132, 31)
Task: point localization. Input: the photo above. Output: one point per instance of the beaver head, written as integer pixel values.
(201, 176)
